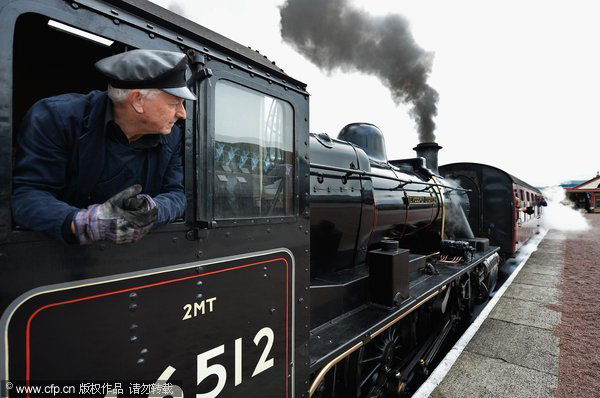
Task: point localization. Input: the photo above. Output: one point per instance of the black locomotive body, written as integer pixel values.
(295, 272)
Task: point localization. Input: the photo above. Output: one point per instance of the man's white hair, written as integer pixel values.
(118, 95)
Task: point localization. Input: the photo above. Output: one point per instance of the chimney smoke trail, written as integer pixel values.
(334, 35)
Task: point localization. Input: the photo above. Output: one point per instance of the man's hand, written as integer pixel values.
(124, 218)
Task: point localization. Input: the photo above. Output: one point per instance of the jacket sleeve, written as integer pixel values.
(40, 172)
(171, 201)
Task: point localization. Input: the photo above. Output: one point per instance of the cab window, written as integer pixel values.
(253, 154)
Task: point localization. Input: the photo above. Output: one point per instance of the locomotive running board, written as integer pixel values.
(338, 338)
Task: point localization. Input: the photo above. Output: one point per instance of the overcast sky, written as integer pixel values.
(518, 80)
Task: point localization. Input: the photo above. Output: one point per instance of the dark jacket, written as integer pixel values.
(61, 154)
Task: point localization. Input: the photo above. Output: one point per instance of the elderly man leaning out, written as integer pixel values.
(106, 165)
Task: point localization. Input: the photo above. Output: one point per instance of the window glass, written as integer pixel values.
(253, 154)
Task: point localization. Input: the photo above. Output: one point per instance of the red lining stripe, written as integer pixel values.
(36, 312)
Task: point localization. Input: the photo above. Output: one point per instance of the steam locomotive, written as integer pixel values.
(305, 265)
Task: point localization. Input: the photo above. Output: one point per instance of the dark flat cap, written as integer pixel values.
(164, 70)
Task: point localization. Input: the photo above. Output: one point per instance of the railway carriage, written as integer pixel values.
(502, 207)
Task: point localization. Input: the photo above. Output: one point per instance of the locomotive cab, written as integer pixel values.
(225, 283)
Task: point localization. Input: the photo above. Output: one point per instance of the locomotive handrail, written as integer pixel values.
(366, 173)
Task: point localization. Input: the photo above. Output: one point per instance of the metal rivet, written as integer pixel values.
(207, 50)
(75, 5)
(199, 253)
(230, 66)
(116, 21)
(114, 12)
(267, 74)
(199, 269)
(132, 306)
(248, 66)
(300, 300)
(228, 58)
(199, 296)
(132, 295)
(251, 74)
(179, 38)
(152, 35)
(144, 351)
(227, 234)
(174, 240)
(149, 26)
(133, 327)
(199, 283)
(265, 275)
(270, 82)
(140, 361)
(272, 310)
(133, 339)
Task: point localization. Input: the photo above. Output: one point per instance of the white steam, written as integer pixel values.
(559, 215)
(529, 247)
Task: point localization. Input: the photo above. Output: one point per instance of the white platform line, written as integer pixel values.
(442, 369)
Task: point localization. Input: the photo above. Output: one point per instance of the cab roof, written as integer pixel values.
(161, 16)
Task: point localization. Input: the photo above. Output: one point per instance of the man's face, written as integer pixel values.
(161, 111)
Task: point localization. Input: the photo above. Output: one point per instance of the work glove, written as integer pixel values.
(124, 218)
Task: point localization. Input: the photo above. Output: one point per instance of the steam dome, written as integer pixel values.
(368, 137)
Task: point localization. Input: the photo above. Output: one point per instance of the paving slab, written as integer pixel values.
(526, 346)
(539, 294)
(526, 313)
(476, 376)
(536, 279)
(546, 259)
(539, 270)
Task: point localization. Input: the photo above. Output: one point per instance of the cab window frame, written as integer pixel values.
(206, 183)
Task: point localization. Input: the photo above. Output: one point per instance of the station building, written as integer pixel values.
(586, 195)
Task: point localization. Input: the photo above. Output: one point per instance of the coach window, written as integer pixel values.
(253, 154)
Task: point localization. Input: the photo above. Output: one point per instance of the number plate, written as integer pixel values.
(219, 329)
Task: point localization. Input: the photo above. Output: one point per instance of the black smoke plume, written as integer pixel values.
(333, 34)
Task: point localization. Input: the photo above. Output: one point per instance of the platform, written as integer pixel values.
(514, 352)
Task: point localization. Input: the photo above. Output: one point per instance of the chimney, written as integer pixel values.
(429, 151)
